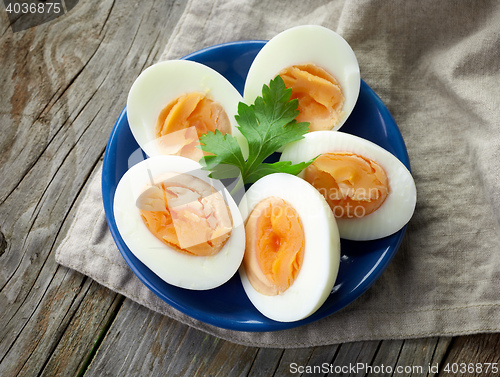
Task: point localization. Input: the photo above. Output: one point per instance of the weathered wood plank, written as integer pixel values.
(138, 343)
(474, 355)
(21, 354)
(65, 83)
(266, 361)
(353, 353)
(42, 64)
(387, 355)
(86, 327)
(416, 356)
(299, 356)
(323, 355)
(230, 360)
(318, 363)
(408, 357)
(154, 345)
(442, 347)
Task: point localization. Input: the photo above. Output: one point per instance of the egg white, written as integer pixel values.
(182, 270)
(306, 44)
(320, 265)
(163, 82)
(399, 205)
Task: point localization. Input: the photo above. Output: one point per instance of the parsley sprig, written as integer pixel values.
(267, 125)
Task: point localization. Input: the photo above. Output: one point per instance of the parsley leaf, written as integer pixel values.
(225, 151)
(277, 167)
(267, 125)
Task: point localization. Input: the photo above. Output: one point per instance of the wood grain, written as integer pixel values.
(64, 84)
(475, 353)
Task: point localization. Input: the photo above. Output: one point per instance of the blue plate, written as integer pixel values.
(227, 306)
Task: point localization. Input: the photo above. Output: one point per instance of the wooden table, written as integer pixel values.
(63, 85)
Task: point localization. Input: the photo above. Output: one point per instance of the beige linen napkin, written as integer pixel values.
(436, 65)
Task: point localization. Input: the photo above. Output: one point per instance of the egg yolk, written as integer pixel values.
(353, 186)
(320, 96)
(182, 122)
(274, 248)
(187, 214)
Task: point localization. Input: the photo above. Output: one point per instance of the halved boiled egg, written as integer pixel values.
(172, 103)
(292, 250)
(319, 66)
(370, 191)
(181, 224)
